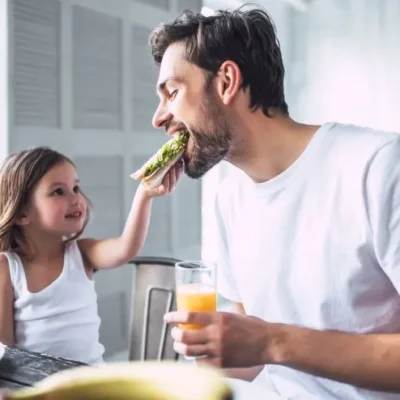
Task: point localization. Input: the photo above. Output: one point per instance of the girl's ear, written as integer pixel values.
(23, 220)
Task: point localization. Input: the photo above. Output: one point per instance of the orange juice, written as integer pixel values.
(195, 297)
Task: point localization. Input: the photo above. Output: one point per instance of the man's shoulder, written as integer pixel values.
(362, 136)
(363, 155)
(356, 146)
(384, 166)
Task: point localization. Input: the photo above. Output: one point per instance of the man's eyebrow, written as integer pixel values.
(161, 85)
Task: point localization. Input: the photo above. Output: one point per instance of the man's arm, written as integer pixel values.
(366, 360)
(231, 340)
(246, 374)
(370, 360)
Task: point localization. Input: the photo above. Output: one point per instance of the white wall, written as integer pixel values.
(347, 55)
(3, 79)
(83, 82)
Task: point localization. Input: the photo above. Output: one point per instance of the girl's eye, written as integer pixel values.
(58, 192)
(77, 189)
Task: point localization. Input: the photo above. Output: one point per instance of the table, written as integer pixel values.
(22, 368)
(250, 391)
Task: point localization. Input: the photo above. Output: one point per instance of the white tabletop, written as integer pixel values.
(250, 391)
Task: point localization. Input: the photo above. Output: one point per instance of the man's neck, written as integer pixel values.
(268, 146)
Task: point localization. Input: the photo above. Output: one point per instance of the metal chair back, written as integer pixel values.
(153, 296)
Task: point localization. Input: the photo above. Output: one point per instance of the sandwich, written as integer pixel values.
(153, 170)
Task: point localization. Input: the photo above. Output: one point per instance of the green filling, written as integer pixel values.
(167, 152)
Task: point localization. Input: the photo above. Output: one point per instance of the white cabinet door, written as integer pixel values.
(83, 81)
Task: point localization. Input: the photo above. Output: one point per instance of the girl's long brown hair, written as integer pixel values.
(19, 174)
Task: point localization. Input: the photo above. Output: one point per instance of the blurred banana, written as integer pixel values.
(135, 380)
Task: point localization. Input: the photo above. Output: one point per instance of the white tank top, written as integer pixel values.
(62, 319)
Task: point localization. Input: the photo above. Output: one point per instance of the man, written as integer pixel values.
(309, 236)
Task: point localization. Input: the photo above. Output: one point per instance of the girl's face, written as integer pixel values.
(57, 206)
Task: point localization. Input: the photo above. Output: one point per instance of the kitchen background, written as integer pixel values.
(77, 75)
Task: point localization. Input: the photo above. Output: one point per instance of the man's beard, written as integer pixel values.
(210, 146)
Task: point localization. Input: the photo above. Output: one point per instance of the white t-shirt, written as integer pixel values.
(62, 319)
(318, 246)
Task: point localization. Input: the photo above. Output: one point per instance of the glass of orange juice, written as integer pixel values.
(195, 288)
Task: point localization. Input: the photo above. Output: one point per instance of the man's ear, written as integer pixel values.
(229, 81)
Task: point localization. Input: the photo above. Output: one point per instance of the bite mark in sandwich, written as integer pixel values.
(153, 170)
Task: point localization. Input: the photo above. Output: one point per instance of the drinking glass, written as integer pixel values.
(195, 289)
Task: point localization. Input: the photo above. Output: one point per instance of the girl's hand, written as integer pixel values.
(168, 184)
(5, 394)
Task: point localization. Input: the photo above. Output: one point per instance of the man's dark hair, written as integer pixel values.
(245, 36)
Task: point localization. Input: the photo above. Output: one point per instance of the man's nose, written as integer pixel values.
(161, 116)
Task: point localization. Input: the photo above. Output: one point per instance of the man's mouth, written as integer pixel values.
(189, 149)
(180, 131)
(189, 145)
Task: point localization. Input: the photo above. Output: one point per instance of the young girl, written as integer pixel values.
(48, 301)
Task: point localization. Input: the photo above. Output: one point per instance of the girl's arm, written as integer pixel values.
(110, 253)
(6, 304)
